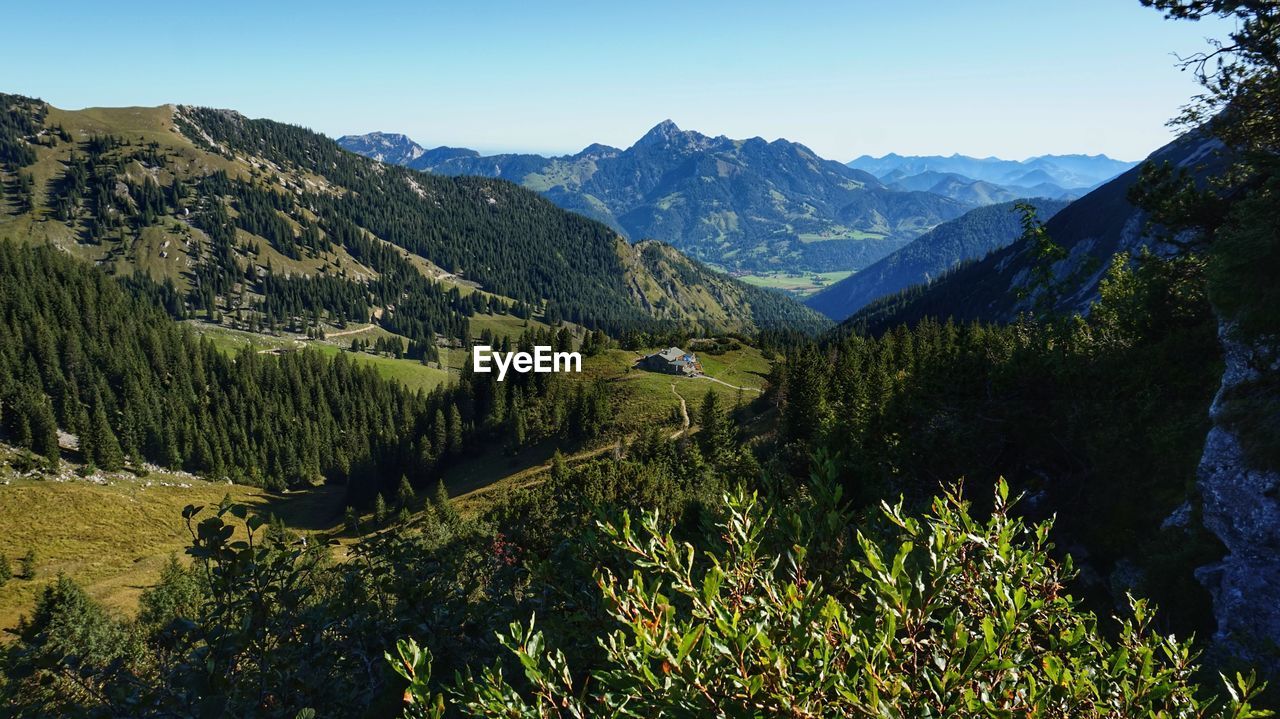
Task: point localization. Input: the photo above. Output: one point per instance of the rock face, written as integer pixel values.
(1241, 507)
(389, 147)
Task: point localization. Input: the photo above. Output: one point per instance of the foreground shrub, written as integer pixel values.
(942, 616)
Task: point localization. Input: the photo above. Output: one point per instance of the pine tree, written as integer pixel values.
(559, 469)
(103, 449)
(455, 430)
(440, 445)
(404, 494)
(440, 503)
(28, 564)
(716, 436)
(352, 521)
(379, 511)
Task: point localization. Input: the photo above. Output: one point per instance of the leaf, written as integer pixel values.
(687, 643)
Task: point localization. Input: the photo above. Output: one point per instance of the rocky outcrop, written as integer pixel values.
(1241, 507)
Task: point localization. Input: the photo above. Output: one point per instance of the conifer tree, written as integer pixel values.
(43, 429)
(404, 494)
(716, 433)
(103, 449)
(379, 511)
(441, 505)
(28, 564)
(440, 445)
(455, 430)
(559, 469)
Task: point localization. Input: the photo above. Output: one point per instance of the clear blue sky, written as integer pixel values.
(989, 77)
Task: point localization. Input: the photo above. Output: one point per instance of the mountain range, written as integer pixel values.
(263, 223)
(968, 237)
(738, 204)
(1056, 176)
(999, 286)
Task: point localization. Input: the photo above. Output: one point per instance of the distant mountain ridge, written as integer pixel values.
(389, 147)
(739, 204)
(1066, 171)
(985, 181)
(1091, 230)
(968, 237)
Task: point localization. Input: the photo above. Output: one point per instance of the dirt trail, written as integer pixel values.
(342, 333)
(327, 336)
(730, 386)
(527, 477)
(532, 476)
(684, 413)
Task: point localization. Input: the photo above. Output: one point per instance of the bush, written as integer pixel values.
(943, 616)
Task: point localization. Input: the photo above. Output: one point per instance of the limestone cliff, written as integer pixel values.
(1241, 506)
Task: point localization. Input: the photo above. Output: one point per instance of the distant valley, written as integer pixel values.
(933, 254)
(741, 205)
(773, 212)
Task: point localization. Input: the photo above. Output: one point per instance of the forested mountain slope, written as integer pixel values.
(742, 204)
(266, 225)
(968, 237)
(1088, 233)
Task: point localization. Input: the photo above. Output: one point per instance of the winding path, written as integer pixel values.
(684, 413)
(341, 333)
(726, 384)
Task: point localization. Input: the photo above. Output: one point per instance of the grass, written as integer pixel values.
(114, 538)
(640, 400)
(801, 284)
(839, 233)
(409, 372)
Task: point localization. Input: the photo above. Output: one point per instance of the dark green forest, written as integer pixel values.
(923, 518)
(135, 387)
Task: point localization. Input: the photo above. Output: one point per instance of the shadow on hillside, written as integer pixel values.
(314, 509)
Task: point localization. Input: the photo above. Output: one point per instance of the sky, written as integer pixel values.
(1010, 78)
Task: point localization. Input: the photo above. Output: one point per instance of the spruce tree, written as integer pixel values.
(103, 448)
(440, 445)
(404, 494)
(379, 510)
(440, 503)
(28, 564)
(716, 434)
(455, 430)
(559, 469)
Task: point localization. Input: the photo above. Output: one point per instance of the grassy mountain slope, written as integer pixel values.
(263, 225)
(742, 204)
(676, 287)
(968, 237)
